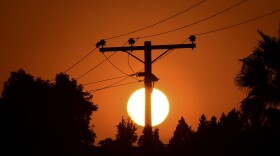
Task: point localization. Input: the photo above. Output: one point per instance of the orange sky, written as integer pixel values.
(46, 37)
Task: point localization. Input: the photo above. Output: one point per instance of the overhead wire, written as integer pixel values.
(72, 66)
(129, 65)
(107, 58)
(119, 68)
(159, 22)
(223, 28)
(202, 20)
(79, 60)
(197, 34)
(149, 26)
(95, 90)
(95, 66)
(104, 80)
(114, 84)
(169, 50)
(116, 66)
(241, 23)
(207, 18)
(112, 62)
(128, 56)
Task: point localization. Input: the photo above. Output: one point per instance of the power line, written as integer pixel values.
(95, 66)
(129, 65)
(95, 90)
(223, 28)
(114, 65)
(149, 26)
(198, 34)
(80, 60)
(234, 25)
(107, 58)
(148, 35)
(118, 81)
(77, 62)
(128, 62)
(114, 85)
(117, 67)
(105, 80)
(207, 18)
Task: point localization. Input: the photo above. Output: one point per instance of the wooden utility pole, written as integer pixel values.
(149, 78)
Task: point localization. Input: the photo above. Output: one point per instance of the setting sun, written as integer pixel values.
(136, 107)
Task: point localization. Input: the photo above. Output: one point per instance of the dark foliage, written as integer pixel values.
(43, 118)
(149, 142)
(260, 76)
(182, 138)
(123, 144)
(126, 134)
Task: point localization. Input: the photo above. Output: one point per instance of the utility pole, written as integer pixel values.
(149, 78)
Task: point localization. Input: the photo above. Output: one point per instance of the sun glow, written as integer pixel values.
(136, 107)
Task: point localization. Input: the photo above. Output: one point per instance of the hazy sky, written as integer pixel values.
(48, 36)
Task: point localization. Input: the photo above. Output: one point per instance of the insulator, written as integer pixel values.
(131, 41)
(100, 43)
(192, 38)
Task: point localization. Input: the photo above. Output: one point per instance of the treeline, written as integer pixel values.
(231, 135)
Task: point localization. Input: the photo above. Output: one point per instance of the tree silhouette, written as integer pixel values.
(77, 110)
(260, 76)
(205, 136)
(106, 142)
(182, 133)
(150, 148)
(228, 133)
(157, 143)
(181, 140)
(203, 124)
(125, 137)
(107, 147)
(126, 134)
(41, 118)
(231, 123)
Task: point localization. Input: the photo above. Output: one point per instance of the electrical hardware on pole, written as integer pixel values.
(149, 77)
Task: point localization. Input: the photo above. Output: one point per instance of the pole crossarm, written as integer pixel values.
(153, 47)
